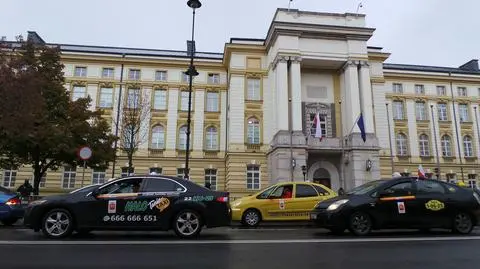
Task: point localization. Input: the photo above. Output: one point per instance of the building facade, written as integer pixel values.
(253, 109)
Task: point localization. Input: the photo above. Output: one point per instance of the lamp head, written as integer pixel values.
(194, 4)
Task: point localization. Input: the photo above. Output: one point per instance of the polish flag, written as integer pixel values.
(421, 172)
(318, 127)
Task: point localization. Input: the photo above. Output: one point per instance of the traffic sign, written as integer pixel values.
(85, 153)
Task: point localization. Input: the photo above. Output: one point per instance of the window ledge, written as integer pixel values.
(253, 146)
(254, 101)
(426, 157)
(211, 150)
(212, 112)
(449, 157)
(404, 156)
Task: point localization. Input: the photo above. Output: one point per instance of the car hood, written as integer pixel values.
(238, 202)
(325, 203)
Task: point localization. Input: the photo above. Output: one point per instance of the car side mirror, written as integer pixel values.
(95, 192)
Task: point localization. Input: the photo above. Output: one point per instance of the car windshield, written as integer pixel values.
(365, 188)
(86, 189)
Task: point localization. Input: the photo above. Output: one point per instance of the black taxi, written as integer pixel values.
(132, 203)
(406, 202)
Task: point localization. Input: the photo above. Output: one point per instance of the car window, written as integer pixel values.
(429, 187)
(304, 190)
(266, 193)
(131, 185)
(283, 192)
(400, 189)
(163, 185)
(321, 190)
(365, 188)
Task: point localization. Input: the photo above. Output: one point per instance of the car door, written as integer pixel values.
(161, 194)
(106, 209)
(396, 203)
(278, 206)
(305, 199)
(435, 203)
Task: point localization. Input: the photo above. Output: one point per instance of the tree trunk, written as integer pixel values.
(130, 162)
(37, 177)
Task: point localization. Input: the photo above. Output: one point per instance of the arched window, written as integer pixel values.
(401, 144)
(423, 145)
(446, 142)
(211, 138)
(182, 138)
(158, 137)
(467, 146)
(253, 131)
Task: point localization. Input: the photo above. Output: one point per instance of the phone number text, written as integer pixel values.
(130, 218)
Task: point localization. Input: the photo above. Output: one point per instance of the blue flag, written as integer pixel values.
(361, 125)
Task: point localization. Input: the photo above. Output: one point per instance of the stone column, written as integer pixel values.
(366, 96)
(281, 88)
(296, 94)
(351, 96)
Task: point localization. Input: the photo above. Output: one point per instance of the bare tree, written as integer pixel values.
(133, 123)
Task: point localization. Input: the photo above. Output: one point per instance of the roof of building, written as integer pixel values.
(468, 68)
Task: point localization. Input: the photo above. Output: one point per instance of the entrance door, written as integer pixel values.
(324, 181)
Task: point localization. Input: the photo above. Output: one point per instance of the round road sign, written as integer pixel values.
(85, 153)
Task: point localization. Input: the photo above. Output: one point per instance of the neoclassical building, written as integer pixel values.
(254, 105)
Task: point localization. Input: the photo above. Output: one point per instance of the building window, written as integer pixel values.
(211, 177)
(80, 71)
(212, 102)
(467, 146)
(253, 177)
(158, 137)
(446, 142)
(125, 172)
(182, 138)
(181, 172)
(472, 181)
(463, 112)
(186, 78)
(184, 101)
(161, 75)
(253, 131)
(420, 111)
(133, 98)
(9, 177)
(423, 144)
(462, 91)
(155, 171)
(441, 91)
(442, 112)
(98, 176)
(211, 138)
(107, 72)
(134, 74)
(397, 88)
(398, 110)
(213, 78)
(253, 89)
(69, 174)
(78, 92)
(323, 124)
(402, 145)
(160, 100)
(419, 89)
(106, 98)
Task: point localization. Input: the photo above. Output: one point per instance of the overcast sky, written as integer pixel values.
(427, 32)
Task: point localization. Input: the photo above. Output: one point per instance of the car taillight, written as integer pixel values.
(222, 199)
(14, 201)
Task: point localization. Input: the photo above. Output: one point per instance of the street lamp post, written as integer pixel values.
(304, 171)
(191, 72)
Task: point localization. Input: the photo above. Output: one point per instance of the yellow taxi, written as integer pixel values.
(286, 201)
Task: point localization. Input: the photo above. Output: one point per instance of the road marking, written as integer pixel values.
(209, 242)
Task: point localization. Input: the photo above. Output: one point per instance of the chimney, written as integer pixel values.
(471, 65)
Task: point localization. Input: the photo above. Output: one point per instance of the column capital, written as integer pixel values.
(349, 63)
(284, 59)
(364, 64)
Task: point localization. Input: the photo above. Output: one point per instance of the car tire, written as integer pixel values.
(57, 223)
(360, 224)
(9, 222)
(337, 231)
(187, 224)
(462, 223)
(251, 218)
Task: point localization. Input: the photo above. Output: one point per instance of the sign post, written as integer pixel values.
(84, 153)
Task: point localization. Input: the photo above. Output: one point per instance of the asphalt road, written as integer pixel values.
(227, 248)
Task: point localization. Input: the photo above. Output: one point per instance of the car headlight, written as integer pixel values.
(337, 204)
(37, 202)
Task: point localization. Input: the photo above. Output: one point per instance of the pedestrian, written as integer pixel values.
(25, 189)
(341, 191)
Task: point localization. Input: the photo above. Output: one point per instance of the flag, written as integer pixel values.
(318, 127)
(361, 126)
(421, 172)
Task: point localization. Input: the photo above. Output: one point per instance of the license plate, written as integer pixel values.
(313, 216)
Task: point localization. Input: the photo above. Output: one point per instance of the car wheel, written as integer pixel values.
(187, 224)
(9, 222)
(360, 224)
(462, 223)
(337, 231)
(57, 223)
(251, 218)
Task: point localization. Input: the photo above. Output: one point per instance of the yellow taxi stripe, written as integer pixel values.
(411, 197)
